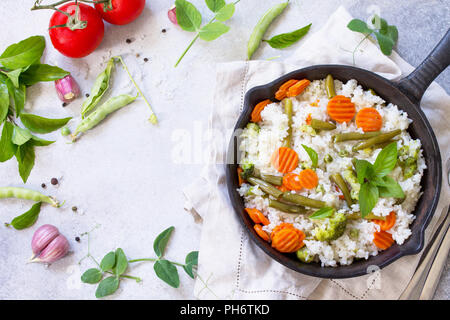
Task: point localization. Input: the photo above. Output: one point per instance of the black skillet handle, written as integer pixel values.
(415, 84)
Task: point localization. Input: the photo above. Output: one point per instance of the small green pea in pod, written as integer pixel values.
(27, 194)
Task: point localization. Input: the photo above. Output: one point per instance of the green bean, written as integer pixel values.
(275, 180)
(337, 178)
(99, 88)
(261, 27)
(369, 216)
(302, 201)
(288, 110)
(102, 111)
(383, 144)
(355, 136)
(376, 140)
(329, 86)
(289, 208)
(265, 187)
(26, 194)
(322, 125)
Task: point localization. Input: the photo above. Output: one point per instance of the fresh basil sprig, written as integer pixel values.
(20, 68)
(115, 263)
(374, 179)
(285, 40)
(323, 213)
(312, 155)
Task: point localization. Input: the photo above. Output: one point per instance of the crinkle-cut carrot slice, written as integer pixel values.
(369, 119)
(298, 88)
(291, 181)
(383, 239)
(341, 109)
(253, 214)
(284, 159)
(281, 226)
(259, 230)
(387, 224)
(256, 113)
(309, 178)
(288, 240)
(282, 91)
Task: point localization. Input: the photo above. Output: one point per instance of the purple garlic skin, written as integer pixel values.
(67, 88)
(172, 14)
(42, 237)
(55, 250)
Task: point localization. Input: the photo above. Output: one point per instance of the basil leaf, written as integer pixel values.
(7, 147)
(322, 213)
(107, 287)
(42, 125)
(24, 53)
(161, 240)
(391, 189)
(108, 262)
(41, 72)
(392, 33)
(285, 40)
(28, 218)
(167, 272)
(92, 276)
(4, 99)
(25, 158)
(363, 168)
(20, 136)
(14, 76)
(386, 160)
(188, 17)
(191, 261)
(358, 25)
(368, 198)
(214, 5)
(385, 42)
(38, 142)
(312, 155)
(121, 262)
(213, 30)
(17, 95)
(226, 12)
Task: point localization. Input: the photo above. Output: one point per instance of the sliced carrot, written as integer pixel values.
(309, 179)
(369, 119)
(262, 218)
(288, 240)
(308, 119)
(239, 171)
(341, 196)
(284, 159)
(291, 181)
(387, 224)
(264, 235)
(298, 88)
(341, 109)
(282, 91)
(383, 239)
(281, 226)
(256, 113)
(253, 214)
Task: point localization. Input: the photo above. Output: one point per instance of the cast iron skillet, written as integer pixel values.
(406, 94)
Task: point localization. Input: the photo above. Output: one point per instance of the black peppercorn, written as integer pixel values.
(54, 181)
(163, 30)
(145, 59)
(128, 41)
(74, 208)
(43, 185)
(64, 104)
(87, 95)
(77, 239)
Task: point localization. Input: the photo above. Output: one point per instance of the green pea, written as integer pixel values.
(65, 131)
(26, 194)
(261, 27)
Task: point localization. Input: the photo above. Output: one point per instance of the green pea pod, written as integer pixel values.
(111, 105)
(261, 27)
(26, 194)
(101, 84)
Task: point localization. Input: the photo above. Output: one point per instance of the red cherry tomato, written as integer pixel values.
(72, 40)
(122, 12)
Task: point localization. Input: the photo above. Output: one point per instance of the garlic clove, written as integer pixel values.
(55, 250)
(42, 237)
(67, 88)
(172, 14)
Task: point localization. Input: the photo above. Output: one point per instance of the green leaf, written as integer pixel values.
(160, 243)
(312, 155)
(214, 5)
(191, 261)
(390, 189)
(28, 218)
(385, 42)
(322, 213)
(108, 262)
(121, 262)
(213, 30)
(38, 142)
(107, 287)
(17, 95)
(386, 160)
(20, 136)
(24, 53)
(25, 158)
(41, 72)
(362, 168)
(42, 125)
(14, 76)
(226, 12)
(92, 276)
(4, 98)
(358, 25)
(188, 17)
(167, 272)
(368, 198)
(392, 33)
(285, 40)
(7, 147)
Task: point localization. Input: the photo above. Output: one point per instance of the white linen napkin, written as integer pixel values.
(231, 266)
